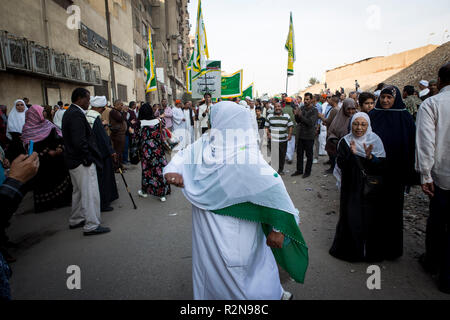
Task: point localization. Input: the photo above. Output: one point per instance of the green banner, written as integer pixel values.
(248, 92)
(232, 85)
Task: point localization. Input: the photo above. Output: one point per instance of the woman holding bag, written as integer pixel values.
(361, 159)
(153, 158)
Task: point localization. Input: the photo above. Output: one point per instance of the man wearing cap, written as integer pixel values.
(106, 179)
(424, 91)
(283, 100)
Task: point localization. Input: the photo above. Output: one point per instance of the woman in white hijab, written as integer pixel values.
(16, 118)
(16, 121)
(361, 160)
(240, 210)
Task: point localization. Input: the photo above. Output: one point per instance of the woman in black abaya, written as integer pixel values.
(361, 221)
(396, 128)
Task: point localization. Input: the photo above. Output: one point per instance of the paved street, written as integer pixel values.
(148, 253)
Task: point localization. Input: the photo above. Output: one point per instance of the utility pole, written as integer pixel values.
(111, 56)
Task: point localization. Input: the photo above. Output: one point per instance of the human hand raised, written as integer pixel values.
(368, 150)
(353, 147)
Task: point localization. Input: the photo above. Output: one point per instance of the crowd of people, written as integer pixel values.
(378, 144)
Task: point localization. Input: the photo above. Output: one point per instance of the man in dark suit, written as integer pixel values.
(82, 159)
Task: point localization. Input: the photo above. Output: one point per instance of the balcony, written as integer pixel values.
(22, 55)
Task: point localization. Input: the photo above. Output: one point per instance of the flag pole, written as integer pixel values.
(287, 83)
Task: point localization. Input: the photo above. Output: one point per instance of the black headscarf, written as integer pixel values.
(397, 130)
(395, 92)
(146, 112)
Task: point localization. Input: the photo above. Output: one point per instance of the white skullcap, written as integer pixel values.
(424, 83)
(99, 102)
(243, 103)
(248, 98)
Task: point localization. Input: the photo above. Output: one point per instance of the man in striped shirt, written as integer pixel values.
(279, 127)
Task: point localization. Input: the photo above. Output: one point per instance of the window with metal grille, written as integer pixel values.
(144, 30)
(122, 92)
(138, 61)
(137, 23)
(102, 90)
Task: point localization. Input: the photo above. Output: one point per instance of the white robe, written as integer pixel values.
(57, 118)
(323, 133)
(230, 259)
(189, 127)
(179, 127)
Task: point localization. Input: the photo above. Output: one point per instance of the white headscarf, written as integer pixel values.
(214, 175)
(16, 119)
(369, 138)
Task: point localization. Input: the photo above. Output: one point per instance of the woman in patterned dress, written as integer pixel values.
(153, 158)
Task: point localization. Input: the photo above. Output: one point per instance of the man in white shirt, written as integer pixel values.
(203, 113)
(57, 118)
(179, 124)
(433, 163)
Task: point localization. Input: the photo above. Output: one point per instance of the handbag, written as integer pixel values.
(372, 184)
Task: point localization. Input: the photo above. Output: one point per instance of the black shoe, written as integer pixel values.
(289, 162)
(99, 230)
(444, 288)
(329, 171)
(107, 209)
(306, 175)
(79, 225)
(281, 173)
(327, 163)
(297, 173)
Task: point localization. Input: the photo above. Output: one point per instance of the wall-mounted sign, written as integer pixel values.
(95, 42)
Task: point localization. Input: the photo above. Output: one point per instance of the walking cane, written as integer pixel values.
(126, 186)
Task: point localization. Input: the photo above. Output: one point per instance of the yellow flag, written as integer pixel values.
(290, 47)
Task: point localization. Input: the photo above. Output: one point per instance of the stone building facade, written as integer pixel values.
(168, 21)
(44, 55)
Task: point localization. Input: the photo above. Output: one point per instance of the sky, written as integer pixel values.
(251, 34)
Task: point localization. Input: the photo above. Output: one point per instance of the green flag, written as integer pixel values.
(290, 47)
(201, 52)
(293, 257)
(248, 92)
(150, 73)
(232, 85)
